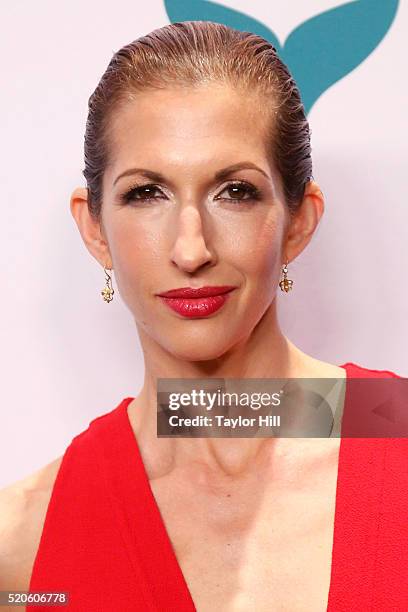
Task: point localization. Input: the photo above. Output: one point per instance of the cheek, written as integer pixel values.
(248, 242)
(137, 258)
(255, 246)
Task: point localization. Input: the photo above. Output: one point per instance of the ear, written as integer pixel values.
(90, 229)
(304, 222)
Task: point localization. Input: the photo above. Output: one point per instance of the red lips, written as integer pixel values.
(201, 302)
(190, 292)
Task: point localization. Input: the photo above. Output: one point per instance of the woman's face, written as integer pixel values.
(188, 227)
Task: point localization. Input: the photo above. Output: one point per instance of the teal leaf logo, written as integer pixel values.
(321, 50)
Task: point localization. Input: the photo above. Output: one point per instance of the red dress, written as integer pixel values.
(104, 540)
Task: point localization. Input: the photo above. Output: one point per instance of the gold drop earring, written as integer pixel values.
(107, 292)
(286, 283)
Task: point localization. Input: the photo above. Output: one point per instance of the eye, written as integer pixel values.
(241, 187)
(144, 193)
(140, 192)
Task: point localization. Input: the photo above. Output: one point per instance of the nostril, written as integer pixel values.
(190, 254)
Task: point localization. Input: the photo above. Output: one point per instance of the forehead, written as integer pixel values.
(188, 128)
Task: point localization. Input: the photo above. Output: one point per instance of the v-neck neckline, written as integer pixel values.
(151, 541)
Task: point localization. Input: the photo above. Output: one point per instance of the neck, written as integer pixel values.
(266, 353)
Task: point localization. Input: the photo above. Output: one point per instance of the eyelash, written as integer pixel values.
(254, 192)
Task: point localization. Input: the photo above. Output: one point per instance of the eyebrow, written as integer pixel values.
(221, 174)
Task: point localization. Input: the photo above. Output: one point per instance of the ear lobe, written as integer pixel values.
(89, 228)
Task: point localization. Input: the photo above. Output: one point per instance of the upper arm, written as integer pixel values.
(13, 531)
(23, 506)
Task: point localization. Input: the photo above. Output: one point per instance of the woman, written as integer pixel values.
(199, 174)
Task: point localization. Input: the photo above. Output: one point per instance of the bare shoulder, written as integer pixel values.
(307, 366)
(23, 506)
(323, 369)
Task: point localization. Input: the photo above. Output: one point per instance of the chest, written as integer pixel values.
(267, 549)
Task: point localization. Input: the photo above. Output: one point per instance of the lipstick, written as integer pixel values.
(193, 302)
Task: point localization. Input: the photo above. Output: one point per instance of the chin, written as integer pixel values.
(193, 348)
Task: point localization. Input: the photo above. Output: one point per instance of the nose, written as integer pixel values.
(190, 250)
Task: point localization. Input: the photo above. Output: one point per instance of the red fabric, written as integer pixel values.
(104, 540)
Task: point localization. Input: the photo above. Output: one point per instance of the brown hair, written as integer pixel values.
(189, 53)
